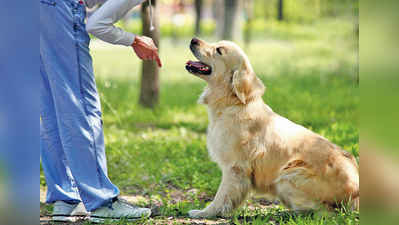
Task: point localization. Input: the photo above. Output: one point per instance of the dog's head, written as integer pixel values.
(226, 69)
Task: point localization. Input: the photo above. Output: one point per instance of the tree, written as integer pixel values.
(230, 19)
(218, 12)
(249, 12)
(198, 9)
(280, 10)
(149, 96)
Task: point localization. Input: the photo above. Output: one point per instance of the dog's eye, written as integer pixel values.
(218, 50)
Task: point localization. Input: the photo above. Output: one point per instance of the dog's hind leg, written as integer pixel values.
(291, 186)
(294, 198)
(231, 194)
(301, 189)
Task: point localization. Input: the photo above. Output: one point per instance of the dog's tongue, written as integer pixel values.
(196, 64)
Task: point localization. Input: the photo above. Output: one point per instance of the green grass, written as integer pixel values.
(311, 75)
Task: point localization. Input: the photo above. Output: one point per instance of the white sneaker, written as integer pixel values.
(120, 210)
(65, 212)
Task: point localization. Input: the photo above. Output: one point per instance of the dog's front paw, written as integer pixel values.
(196, 213)
(193, 213)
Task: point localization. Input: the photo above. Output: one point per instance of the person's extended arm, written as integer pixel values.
(101, 25)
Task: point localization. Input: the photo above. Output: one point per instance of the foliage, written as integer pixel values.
(296, 13)
(307, 11)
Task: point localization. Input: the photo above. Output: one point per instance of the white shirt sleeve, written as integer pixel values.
(101, 22)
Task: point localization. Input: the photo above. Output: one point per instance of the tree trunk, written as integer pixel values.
(149, 96)
(230, 19)
(198, 9)
(249, 11)
(280, 10)
(218, 12)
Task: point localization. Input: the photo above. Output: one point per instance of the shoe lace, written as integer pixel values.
(126, 203)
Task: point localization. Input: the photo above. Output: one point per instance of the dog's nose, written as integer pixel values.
(194, 41)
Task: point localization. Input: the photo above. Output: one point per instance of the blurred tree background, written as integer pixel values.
(219, 18)
(241, 21)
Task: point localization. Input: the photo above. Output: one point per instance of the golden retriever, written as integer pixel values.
(259, 151)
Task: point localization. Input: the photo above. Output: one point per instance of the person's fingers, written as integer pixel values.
(148, 51)
(157, 59)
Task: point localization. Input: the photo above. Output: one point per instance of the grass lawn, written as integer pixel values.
(311, 75)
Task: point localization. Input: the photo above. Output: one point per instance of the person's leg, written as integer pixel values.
(61, 187)
(65, 53)
(60, 182)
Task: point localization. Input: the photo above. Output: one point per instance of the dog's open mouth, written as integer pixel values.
(197, 67)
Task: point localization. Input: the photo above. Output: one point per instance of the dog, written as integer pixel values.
(260, 151)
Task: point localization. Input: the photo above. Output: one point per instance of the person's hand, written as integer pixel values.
(145, 48)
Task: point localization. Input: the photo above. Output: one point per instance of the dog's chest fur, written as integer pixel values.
(233, 131)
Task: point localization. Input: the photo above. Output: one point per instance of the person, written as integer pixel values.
(71, 136)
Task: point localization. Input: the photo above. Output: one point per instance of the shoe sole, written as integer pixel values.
(105, 219)
(67, 218)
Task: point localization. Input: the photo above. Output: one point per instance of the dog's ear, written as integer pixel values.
(246, 85)
(240, 84)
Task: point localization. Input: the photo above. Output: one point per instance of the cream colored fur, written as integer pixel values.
(261, 152)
